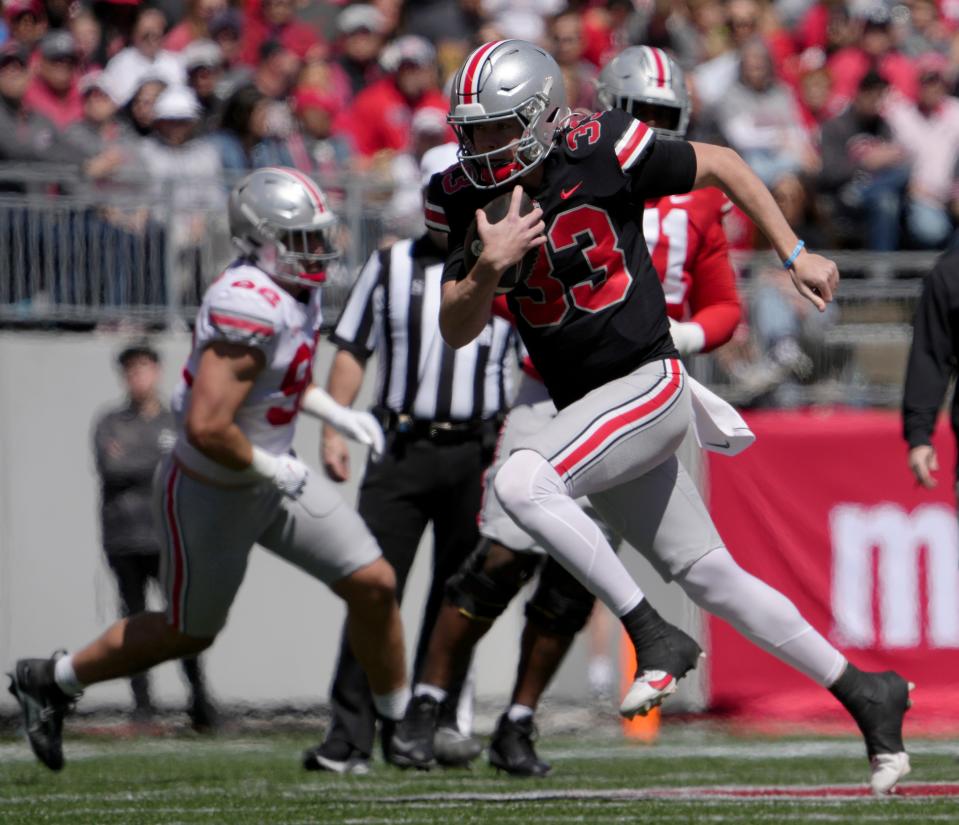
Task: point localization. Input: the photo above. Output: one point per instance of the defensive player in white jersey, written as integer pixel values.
(688, 247)
(232, 480)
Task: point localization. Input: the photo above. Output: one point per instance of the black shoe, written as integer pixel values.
(665, 654)
(878, 702)
(44, 705)
(203, 715)
(511, 748)
(453, 749)
(410, 743)
(336, 756)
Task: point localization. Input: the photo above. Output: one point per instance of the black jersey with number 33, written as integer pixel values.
(592, 309)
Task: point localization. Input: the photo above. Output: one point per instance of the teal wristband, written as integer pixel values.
(787, 264)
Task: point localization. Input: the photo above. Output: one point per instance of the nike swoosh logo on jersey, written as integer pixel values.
(568, 193)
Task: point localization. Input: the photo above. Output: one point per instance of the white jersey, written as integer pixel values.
(245, 306)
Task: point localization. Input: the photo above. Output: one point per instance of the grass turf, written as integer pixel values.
(257, 779)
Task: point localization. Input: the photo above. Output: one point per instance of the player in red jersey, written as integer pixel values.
(593, 317)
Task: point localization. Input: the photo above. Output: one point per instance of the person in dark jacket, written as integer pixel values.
(932, 363)
(128, 443)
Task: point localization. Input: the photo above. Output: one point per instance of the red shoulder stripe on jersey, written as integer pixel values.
(630, 147)
(472, 73)
(640, 412)
(436, 220)
(222, 319)
(176, 546)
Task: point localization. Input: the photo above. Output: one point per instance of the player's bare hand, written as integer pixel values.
(816, 278)
(336, 455)
(507, 241)
(923, 462)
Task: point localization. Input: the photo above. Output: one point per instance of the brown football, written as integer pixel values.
(495, 211)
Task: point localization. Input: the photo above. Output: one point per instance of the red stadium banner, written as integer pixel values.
(824, 508)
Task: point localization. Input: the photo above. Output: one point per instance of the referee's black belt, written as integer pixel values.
(439, 432)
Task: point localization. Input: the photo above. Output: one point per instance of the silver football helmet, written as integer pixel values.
(507, 80)
(642, 76)
(280, 218)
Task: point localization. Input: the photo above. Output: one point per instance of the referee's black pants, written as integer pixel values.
(416, 483)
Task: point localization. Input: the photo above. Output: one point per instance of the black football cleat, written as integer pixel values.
(454, 749)
(410, 743)
(43, 705)
(878, 702)
(665, 654)
(511, 748)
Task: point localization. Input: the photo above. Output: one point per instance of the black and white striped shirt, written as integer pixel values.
(394, 310)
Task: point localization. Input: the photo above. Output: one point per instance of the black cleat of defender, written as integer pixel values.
(44, 705)
(411, 742)
(511, 748)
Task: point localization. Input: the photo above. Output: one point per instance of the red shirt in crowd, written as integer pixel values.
(848, 67)
(300, 38)
(380, 116)
(62, 111)
(179, 37)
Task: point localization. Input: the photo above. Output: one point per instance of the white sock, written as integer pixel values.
(763, 615)
(517, 713)
(536, 498)
(392, 705)
(437, 693)
(65, 676)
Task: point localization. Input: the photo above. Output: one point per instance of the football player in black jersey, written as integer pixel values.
(593, 317)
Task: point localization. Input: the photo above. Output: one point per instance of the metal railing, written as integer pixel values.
(138, 250)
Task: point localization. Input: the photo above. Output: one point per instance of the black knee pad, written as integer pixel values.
(481, 593)
(560, 605)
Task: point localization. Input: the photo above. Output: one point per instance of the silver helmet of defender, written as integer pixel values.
(507, 80)
(645, 76)
(281, 219)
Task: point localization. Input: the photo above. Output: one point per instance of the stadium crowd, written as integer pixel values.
(833, 103)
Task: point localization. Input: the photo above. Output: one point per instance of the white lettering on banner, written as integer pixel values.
(898, 537)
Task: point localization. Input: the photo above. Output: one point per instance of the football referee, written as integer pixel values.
(440, 409)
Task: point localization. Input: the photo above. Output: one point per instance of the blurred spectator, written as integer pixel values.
(99, 128)
(53, 89)
(825, 25)
(361, 37)
(607, 29)
(714, 78)
(276, 71)
(925, 31)
(144, 55)
(761, 120)
(243, 140)
(196, 24)
(117, 19)
(379, 119)
(225, 31)
(314, 146)
(451, 25)
(933, 161)
(874, 48)
(26, 21)
(203, 61)
(25, 135)
(185, 170)
(864, 171)
(138, 112)
(86, 31)
(814, 93)
(566, 45)
(522, 19)
(276, 20)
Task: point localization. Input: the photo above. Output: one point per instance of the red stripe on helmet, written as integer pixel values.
(472, 72)
(660, 67)
(311, 187)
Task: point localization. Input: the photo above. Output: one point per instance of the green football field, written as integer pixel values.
(693, 774)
